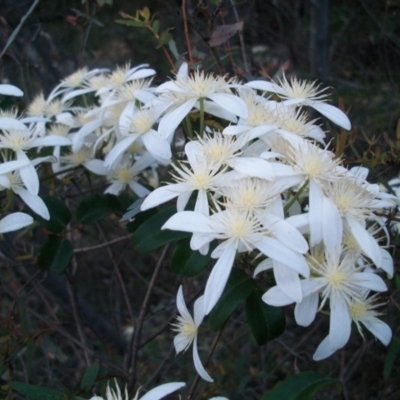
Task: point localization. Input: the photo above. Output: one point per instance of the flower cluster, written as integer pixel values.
(263, 180)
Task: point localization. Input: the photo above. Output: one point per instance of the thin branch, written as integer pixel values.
(185, 25)
(131, 364)
(210, 353)
(100, 246)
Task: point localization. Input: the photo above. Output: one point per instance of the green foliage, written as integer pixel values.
(40, 393)
(186, 262)
(302, 386)
(90, 377)
(237, 290)
(391, 356)
(55, 254)
(98, 206)
(149, 236)
(265, 322)
(60, 215)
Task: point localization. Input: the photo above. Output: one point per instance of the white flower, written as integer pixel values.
(241, 231)
(187, 328)
(303, 93)
(362, 311)
(187, 90)
(154, 394)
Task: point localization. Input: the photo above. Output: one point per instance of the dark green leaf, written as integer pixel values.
(55, 254)
(165, 37)
(188, 262)
(59, 215)
(156, 26)
(393, 351)
(36, 392)
(265, 322)
(300, 387)
(149, 235)
(98, 206)
(90, 377)
(237, 289)
(138, 24)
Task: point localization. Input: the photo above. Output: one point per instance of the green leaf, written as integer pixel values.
(265, 322)
(237, 289)
(98, 206)
(36, 392)
(393, 351)
(138, 24)
(300, 387)
(156, 26)
(59, 215)
(90, 377)
(149, 235)
(165, 37)
(188, 262)
(55, 254)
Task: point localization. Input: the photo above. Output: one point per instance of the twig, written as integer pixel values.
(100, 246)
(210, 353)
(18, 28)
(185, 25)
(242, 45)
(134, 343)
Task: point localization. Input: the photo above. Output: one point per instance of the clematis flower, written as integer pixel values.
(187, 328)
(302, 93)
(154, 394)
(240, 231)
(182, 94)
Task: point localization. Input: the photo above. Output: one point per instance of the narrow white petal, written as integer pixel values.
(198, 311)
(76, 93)
(51, 140)
(156, 145)
(118, 150)
(14, 222)
(181, 305)
(11, 123)
(10, 166)
(84, 131)
(265, 86)
(198, 365)
(189, 221)
(334, 114)
(288, 280)
(340, 324)
(139, 189)
(10, 90)
(263, 266)
(324, 350)
(285, 233)
(96, 166)
(163, 194)
(332, 226)
(253, 167)
(306, 310)
(161, 391)
(366, 241)
(315, 213)
(379, 329)
(172, 119)
(219, 276)
(235, 129)
(387, 263)
(231, 103)
(279, 252)
(276, 297)
(34, 202)
(371, 281)
(114, 188)
(28, 174)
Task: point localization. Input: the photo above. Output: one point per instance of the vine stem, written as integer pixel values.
(185, 25)
(210, 353)
(131, 363)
